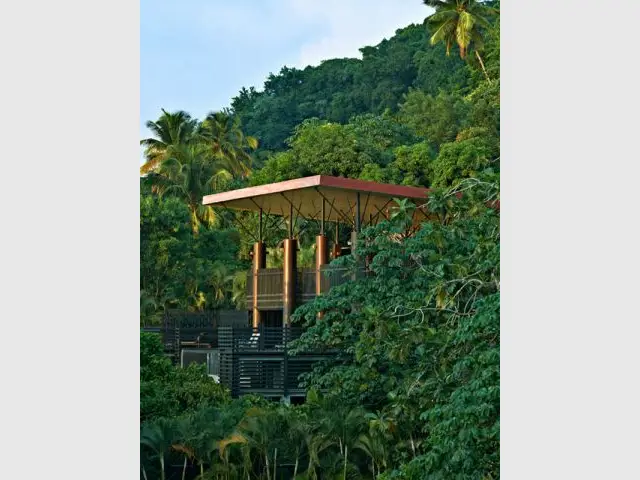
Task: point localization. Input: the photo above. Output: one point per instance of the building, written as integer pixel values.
(252, 353)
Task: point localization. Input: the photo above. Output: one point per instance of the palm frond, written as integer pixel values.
(438, 3)
(442, 31)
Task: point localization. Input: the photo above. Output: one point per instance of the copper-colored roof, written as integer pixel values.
(306, 195)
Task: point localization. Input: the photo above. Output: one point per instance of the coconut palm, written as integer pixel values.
(171, 130)
(222, 134)
(460, 22)
(190, 173)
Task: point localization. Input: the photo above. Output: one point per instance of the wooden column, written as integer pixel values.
(321, 259)
(259, 262)
(289, 283)
(321, 252)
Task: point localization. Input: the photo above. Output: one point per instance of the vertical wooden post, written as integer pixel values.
(289, 283)
(259, 262)
(289, 267)
(321, 260)
(321, 254)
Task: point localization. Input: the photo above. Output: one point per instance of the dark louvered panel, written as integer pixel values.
(256, 361)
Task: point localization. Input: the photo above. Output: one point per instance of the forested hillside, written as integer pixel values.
(415, 392)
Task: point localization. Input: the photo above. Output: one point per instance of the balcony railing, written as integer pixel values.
(270, 285)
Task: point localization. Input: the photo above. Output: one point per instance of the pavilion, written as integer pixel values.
(274, 293)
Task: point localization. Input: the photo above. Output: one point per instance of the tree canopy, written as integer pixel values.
(414, 391)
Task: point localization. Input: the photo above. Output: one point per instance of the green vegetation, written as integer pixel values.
(414, 393)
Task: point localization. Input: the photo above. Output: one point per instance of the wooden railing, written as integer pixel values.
(270, 285)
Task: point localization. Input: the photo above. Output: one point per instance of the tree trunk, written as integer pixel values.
(275, 460)
(161, 467)
(266, 456)
(184, 468)
(201, 470)
(344, 476)
(482, 66)
(295, 469)
(144, 473)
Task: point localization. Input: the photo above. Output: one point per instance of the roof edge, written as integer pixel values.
(326, 181)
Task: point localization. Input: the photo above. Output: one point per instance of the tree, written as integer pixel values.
(158, 437)
(438, 118)
(167, 390)
(412, 165)
(228, 144)
(415, 337)
(460, 22)
(165, 241)
(173, 130)
(339, 89)
(413, 390)
(189, 173)
(461, 159)
(259, 431)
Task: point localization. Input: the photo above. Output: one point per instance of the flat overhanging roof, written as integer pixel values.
(305, 196)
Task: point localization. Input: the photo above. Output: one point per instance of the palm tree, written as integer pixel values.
(341, 425)
(171, 130)
(200, 435)
(148, 308)
(238, 283)
(158, 436)
(224, 137)
(185, 444)
(298, 428)
(257, 431)
(316, 442)
(373, 445)
(382, 423)
(460, 22)
(189, 173)
(219, 282)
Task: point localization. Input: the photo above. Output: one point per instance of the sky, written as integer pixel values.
(195, 55)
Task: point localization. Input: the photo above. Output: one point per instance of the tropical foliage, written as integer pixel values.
(414, 392)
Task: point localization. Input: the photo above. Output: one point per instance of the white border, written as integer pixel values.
(569, 330)
(569, 239)
(70, 241)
